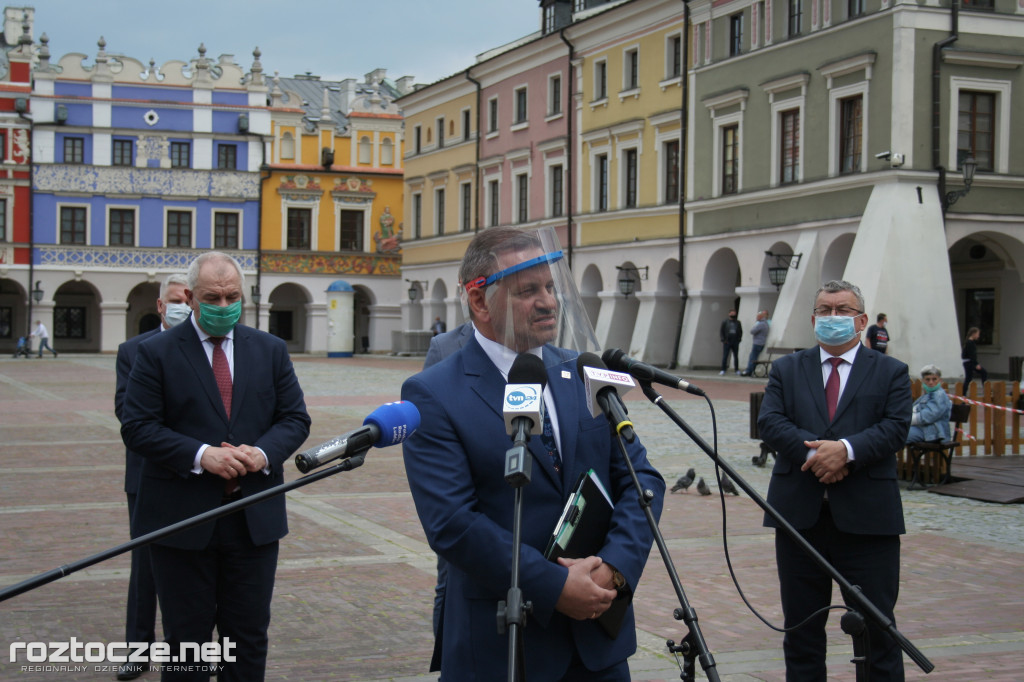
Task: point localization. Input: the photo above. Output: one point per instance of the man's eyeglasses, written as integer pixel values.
(844, 311)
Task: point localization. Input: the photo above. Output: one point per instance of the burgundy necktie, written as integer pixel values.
(832, 388)
(222, 373)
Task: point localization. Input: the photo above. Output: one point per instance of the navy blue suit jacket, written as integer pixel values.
(873, 414)
(455, 465)
(172, 406)
(125, 358)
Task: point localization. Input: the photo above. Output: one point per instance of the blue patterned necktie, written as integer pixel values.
(547, 438)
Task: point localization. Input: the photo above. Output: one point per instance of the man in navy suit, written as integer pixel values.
(140, 623)
(837, 414)
(216, 410)
(455, 467)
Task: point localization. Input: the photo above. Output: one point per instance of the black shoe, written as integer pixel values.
(129, 671)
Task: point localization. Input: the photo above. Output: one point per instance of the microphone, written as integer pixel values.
(618, 360)
(389, 424)
(523, 407)
(603, 391)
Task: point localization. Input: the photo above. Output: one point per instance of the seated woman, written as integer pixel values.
(930, 420)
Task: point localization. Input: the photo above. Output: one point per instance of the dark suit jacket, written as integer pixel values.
(455, 465)
(125, 358)
(873, 415)
(172, 406)
(443, 345)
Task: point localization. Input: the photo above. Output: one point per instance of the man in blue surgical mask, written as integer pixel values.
(836, 414)
(141, 611)
(215, 410)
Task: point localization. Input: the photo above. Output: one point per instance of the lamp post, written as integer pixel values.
(783, 262)
(967, 168)
(37, 293)
(414, 289)
(256, 297)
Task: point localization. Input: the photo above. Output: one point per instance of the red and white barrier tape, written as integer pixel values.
(978, 402)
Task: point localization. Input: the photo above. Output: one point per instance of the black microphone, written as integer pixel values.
(616, 359)
(602, 389)
(523, 407)
(389, 424)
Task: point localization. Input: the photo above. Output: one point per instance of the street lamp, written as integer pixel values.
(969, 165)
(783, 262)
(256, 295)
(37, 293)
(628, 275)
(414, 290)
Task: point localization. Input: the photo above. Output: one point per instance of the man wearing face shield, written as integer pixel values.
(836, 414)
(141, 611)
(215, 410)
(522, 300)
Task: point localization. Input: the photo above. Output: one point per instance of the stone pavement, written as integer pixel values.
(354, 585)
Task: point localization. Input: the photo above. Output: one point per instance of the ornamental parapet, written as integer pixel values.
(325, 263)
(130, 258)
(177, 182)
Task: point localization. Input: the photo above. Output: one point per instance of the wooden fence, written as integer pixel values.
(994, 427)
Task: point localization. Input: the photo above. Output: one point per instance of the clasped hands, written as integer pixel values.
(829, 462)
(232, 461)
(589, 590)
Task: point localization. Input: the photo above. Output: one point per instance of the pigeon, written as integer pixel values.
(702, 487)
(728, 487)
(684, 481)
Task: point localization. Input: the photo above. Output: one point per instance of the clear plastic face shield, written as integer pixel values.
(532, 300)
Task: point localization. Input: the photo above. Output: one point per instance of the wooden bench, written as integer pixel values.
(763, 367)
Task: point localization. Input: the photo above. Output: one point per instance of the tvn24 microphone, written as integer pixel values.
(617, 360)
(389, 424)
(603, 387)
(523, 407)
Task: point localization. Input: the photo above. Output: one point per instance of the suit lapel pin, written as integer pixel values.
(566, 374)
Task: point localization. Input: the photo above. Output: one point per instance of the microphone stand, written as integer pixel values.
(66, 570)
(854, 625)
(512, 612)
(693, 645)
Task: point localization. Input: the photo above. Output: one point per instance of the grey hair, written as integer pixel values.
(931, 370)
(197, 264)
(481, 257)
(172, 279)
(835, 286)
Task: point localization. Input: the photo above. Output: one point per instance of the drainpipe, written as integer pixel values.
(683, 131)
(937, 49)
(476, 168)
(570, 114)
(264, 168)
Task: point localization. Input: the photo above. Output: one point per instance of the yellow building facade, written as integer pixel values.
(332, 214)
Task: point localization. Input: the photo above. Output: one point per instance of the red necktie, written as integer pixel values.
(222, 373)
(832, 387)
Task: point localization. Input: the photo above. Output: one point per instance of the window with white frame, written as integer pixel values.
(727, 113)
(122, 227)
(736, 34)
(556, 191)
(520, 113)
(492, 115)
(466, 206)
(417, 215)
(848, 129)
(630, 170)
(670, 171)
(730, 156)
(789, 146)
(982, 109)
(179, 229)
(631, 69)
(467, 130)
(493, 203)
(787, 134)
(554, 94)
(226, 229)
(796, 14)
(600, 80)
(439, 211)
(522, 198)
(417, 139)
(674, 56)
(601, 182)
(440, 132)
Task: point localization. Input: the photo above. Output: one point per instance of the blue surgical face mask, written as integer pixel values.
(219, 320)
(176, 313)
(834, 330)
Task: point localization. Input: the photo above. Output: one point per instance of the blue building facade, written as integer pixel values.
(137, 169)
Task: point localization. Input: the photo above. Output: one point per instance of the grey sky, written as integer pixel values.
(334, 39)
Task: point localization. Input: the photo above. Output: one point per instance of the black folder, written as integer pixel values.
(580, 532)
